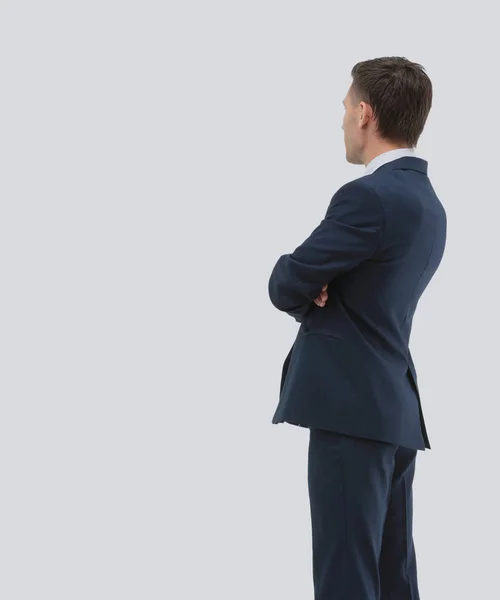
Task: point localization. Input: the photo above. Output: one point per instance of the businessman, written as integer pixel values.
(354, 285)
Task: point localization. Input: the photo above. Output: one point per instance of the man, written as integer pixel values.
(353, 285)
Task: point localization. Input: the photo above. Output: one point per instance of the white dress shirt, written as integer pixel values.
(386, 157)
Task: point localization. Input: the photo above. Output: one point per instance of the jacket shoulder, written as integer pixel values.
(355, 187)
(359, 196)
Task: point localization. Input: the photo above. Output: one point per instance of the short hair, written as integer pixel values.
(400, 94)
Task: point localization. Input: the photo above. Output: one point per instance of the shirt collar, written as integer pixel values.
(386, 157)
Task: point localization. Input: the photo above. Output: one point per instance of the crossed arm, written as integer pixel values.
(348, 235)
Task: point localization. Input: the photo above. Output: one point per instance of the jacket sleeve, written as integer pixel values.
(349, 234)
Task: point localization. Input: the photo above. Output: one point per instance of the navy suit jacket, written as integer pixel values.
(350, 369)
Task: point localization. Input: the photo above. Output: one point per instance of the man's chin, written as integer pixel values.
(352, 160)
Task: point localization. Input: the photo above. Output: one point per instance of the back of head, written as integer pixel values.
(400, 94)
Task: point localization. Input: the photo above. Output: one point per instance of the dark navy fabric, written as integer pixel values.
(361, 502)
(350, 369)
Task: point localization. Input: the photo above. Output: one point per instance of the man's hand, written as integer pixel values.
(323, 297)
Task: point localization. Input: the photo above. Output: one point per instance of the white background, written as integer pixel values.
(155, 160)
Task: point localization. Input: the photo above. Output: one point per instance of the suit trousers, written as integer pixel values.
(360, 493)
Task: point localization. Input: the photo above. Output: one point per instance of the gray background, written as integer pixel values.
(155, 160)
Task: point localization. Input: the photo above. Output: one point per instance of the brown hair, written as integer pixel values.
(400, 94)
